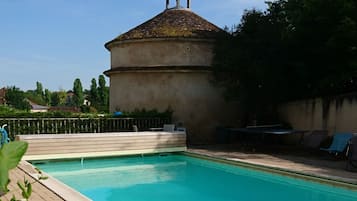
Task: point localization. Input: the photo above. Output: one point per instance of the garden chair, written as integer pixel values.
(4, 139)
(352, 154)
(339, 143)
(135, 128)
(169, 127)
(314, 139)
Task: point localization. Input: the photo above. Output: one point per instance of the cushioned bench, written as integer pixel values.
(62, 146)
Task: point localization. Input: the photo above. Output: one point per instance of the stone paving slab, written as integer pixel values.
(321, 167)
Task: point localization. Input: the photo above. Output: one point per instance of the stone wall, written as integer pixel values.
(194, 100)
(170, 73)
(161, 52)
(334, 114)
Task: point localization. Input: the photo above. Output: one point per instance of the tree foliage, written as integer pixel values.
(16, 98)
(78, 92)
(47, 97)
(97, 95)
(39, 89)
(295, 49)
(58, 98)
(10, 156)
(103, 94)
(93, 93)
(39, 95)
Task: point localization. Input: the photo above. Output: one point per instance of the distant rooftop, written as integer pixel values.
(175, 22)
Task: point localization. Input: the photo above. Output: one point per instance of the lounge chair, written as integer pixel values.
(314, 139)
(135, 128)
(169, 127)
(352, 155)
(165, 128)
(339, 143)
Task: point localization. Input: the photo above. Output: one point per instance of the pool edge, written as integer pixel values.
(58, 187)
(62, 190)
(103, 154)
(277, 170)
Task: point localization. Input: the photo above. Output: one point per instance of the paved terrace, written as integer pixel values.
(309, 163)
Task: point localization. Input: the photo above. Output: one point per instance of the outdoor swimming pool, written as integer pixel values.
(180, 177)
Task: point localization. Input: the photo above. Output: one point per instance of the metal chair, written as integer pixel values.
(314, 139)
(169, 127)
(352, 155)
(339, 143)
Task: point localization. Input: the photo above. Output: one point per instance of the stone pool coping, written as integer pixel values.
(281, 169)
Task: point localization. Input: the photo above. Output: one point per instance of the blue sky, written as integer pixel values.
(56, 41)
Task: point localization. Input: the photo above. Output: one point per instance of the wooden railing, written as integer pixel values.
(23, 126)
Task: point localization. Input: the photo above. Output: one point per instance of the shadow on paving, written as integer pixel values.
(292, 157)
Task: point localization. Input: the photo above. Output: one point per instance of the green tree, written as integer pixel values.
(323, 40)
(294, 49)
(103, 92)
(37, 96)
(55, 99)
(93, 92)
(58, 98)
(16, 98)
(47, 97)
(78, 92)
(39, 89)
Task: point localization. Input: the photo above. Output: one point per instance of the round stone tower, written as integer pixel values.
(166, 63)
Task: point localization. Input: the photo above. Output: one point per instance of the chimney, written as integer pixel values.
(188, 4)
(167, 4)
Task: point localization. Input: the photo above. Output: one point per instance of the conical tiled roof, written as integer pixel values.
(172, 23)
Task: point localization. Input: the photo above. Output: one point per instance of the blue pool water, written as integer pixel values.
(183, 178)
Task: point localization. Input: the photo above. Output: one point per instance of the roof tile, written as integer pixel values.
(172, 23)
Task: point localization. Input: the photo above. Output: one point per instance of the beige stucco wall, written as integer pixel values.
(338, 116)
(195, 101)
(161, 53)
(187, 91)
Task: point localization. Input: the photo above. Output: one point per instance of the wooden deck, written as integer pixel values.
(42, 190)
(39, 191)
